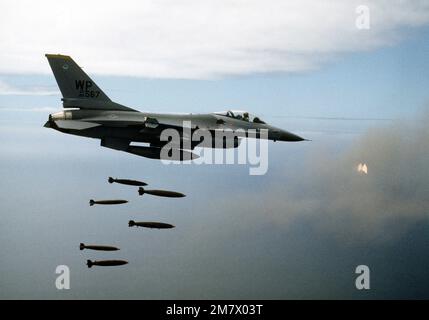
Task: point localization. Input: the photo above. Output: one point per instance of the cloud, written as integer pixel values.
(9, 90)
(194, 38)
(334, 198)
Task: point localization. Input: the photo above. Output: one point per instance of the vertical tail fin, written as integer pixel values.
(77, 88)
(73, 82)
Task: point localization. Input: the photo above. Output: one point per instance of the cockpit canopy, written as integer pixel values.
(240, 115)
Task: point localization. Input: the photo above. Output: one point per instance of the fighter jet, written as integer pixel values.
(90, 113)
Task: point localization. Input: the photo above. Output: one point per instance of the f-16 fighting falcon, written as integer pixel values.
(90, 113)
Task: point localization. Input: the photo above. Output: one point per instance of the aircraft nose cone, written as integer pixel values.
(287, 136)
(282, 135)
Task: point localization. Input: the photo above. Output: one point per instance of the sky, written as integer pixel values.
(297, 232)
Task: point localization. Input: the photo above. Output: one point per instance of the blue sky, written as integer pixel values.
(386, 83)
(298, 231)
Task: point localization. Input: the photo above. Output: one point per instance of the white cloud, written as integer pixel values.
(195, 38)
(10, 90)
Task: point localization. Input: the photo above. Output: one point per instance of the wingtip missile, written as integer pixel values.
(161, 193)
